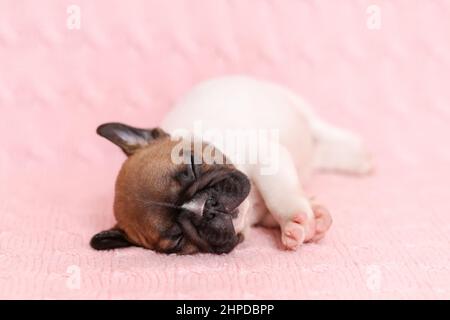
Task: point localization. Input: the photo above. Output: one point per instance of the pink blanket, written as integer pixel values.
(383, 71)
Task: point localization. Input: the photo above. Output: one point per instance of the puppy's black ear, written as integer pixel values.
(110, 239)
(128, 138)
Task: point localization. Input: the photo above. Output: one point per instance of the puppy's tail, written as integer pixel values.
(336, 149)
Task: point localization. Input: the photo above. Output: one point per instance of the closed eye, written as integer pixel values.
(193, 167)
(189, 173)
(177, 246)
(175, 237)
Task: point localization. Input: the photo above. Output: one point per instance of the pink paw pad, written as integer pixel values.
(323, 222)
(300, 229)
(292, 235)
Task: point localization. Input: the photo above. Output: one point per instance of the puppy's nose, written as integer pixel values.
(218, 230)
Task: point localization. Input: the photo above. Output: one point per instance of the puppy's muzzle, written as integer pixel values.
(207, 226)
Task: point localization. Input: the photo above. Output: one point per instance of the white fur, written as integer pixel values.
(305, 143)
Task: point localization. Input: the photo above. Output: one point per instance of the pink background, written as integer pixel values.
(131, 59)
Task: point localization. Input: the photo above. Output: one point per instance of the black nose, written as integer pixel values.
(218, 230)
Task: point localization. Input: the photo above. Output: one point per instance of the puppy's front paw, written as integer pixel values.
(323, 221)
(300, 228)
(293, 234)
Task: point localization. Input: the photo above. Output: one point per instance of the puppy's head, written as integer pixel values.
(171, 206)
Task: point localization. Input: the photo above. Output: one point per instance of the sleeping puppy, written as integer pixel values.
(233, 153)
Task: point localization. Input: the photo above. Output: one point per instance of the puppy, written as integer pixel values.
(233, 153)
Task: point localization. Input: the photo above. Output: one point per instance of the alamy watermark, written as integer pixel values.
(258, 147)
(373, 17)
(374, 277)
(73, 21)
(73, 281)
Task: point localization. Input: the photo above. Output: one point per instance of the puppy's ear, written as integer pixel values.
(110, 239)
(128, 138)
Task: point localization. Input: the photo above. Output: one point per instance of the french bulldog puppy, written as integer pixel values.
(233, 153)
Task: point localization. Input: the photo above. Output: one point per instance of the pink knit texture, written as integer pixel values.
(132, 59)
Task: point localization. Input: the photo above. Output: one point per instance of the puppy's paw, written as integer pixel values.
(322, 223)
(293, 234)
(363, 162)
(300, 228)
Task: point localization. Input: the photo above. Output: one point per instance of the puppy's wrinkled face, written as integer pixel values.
(167, 206)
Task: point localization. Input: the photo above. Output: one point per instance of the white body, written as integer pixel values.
(304, 143)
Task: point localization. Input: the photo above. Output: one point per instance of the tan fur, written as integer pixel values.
(148, 173)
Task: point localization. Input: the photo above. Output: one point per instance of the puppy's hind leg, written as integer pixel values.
(339, 150)
(336, 149)
(299, 220)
